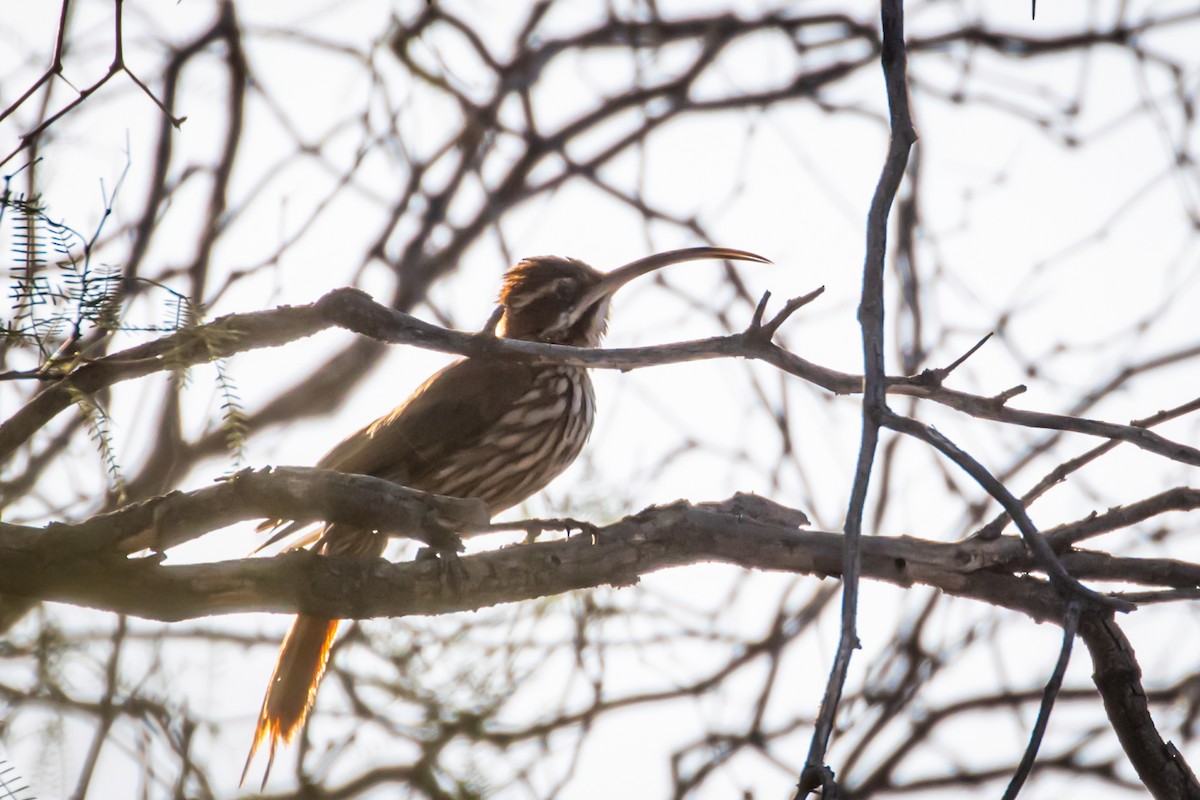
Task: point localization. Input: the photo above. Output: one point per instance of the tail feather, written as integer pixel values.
(293, 685)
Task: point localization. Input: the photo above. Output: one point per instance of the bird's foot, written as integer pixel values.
(536, 527)
(450, 567)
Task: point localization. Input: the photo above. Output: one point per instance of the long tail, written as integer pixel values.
(293, 685)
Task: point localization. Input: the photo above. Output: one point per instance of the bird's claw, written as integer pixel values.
(450, 567)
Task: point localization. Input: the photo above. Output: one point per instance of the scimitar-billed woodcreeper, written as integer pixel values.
(494, 429)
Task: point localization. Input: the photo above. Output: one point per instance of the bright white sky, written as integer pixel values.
(1082, 245)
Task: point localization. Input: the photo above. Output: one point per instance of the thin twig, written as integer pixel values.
(1001, 398)
(55, 67)
(759, 311)
(1060, 473)
(1070, 628)
(1046, 558)
(1180, 498)
(874, 407)
(789, 308)
(935, 377)
(106, 711)
(117, 66)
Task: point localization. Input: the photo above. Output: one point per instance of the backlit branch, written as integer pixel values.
(354, 310)
(994, 571)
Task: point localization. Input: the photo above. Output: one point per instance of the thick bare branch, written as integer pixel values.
(1119, 679)
(287, 493)
(617, 555)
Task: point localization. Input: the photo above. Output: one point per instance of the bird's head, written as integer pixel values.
(564, 301)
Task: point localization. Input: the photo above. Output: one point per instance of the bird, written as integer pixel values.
(494, 429)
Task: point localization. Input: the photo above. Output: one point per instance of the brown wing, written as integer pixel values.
(449, 412)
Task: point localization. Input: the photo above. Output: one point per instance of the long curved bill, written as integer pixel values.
(620, 276)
